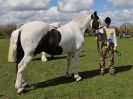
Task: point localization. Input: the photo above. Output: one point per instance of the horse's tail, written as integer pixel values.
(13, 46)
(19, 51)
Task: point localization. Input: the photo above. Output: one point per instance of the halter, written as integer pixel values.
(100, 27)
(54, 27)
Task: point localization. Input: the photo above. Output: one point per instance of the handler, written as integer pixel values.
(108, 46)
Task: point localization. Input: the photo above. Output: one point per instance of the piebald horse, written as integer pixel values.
(39, 36)
(13, 43)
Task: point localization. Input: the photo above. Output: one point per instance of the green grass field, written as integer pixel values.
(47, 80)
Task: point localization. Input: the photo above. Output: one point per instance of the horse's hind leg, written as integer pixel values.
(21, 67)
(68, 62)
(76, 56)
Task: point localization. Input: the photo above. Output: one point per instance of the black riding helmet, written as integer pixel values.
(107, 20)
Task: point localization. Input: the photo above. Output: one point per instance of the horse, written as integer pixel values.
(39, 36)
(13, 44)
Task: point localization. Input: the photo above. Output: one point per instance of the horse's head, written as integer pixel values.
(95, 21)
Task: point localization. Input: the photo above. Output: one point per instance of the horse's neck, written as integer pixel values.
(84, 23)
(80, 23)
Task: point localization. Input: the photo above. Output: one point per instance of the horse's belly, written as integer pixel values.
(68, 46)
(49, 43)
(54, 51)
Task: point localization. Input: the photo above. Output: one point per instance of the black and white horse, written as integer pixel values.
(13, 43)
(35, 37)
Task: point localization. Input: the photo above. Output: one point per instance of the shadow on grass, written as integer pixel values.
(1, 95)
(92, 73)
(63, 80)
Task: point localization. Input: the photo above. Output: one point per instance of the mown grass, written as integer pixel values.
(47, 80)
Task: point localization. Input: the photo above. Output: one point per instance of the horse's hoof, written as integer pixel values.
(44, 60)
(20, 91)
(77, 77)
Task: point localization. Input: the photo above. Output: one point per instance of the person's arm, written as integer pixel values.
(115, 40)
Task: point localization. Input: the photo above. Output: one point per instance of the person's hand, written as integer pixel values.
(96, 31)
(108, 44)
(115, 48)
(96, 38)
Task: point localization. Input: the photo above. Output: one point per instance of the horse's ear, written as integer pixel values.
(94, 15)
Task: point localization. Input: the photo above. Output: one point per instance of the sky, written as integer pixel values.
(23, 11)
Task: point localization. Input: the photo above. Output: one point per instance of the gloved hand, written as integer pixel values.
(108, 44)
(115, 48)
(97, 31)
(96, 38)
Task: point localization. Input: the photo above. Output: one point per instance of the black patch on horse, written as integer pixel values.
(49, 43)
(20, 51)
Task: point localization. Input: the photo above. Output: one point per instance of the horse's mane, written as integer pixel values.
(80, 18)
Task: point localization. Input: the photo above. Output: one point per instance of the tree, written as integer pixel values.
(6, 30)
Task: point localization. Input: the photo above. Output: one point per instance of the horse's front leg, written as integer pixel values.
(68, 62)
(76, 56)
(43, 58)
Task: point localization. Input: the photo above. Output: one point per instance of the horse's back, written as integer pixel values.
(34, 26)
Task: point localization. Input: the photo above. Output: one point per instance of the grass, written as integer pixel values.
(47, 80)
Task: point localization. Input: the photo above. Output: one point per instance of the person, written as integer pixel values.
(108, 46)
